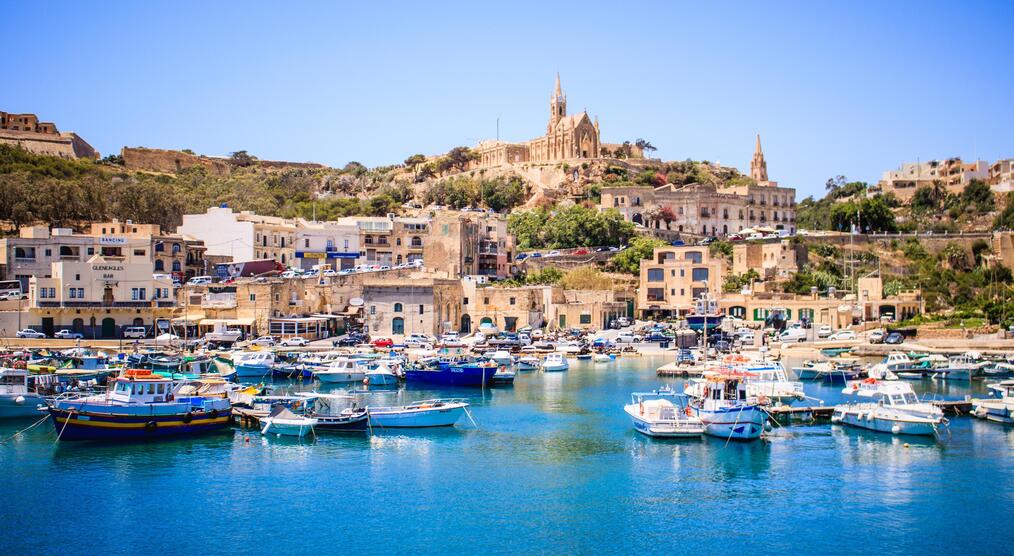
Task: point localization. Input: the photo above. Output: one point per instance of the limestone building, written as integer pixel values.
(27, 132)
(568, 136)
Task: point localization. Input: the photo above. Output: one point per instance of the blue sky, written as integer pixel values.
(847, 88)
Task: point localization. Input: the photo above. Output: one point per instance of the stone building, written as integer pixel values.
(675, 277)
(27, 132)
(1001, 176)
(327, 243)
(550, 307)
(420, 305)
(170, 253)
(951, 173)
(772, 259)
(706, 210)
(568, 136)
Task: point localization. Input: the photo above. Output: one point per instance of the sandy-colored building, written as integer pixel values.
(951, 173)
(99, 296)
(1001, 176)
(706, 210)
(675, 277)
(772, 259)
(170, 253)
(550, 307)
(418, 305)
(242, 236)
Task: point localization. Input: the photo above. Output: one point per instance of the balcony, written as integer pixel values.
(219, 301)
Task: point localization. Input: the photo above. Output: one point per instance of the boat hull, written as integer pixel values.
(663, 429)
(20, 406)
(382, 379)
(340, 377)
(870, 420)
(285, 427)
(252, 371)
(85, 425)
(734, 423)
(463, 375)
(423, 418)
(359, 422)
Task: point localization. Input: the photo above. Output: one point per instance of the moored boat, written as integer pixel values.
(341, 370)
(895, 409)
(555, 362)
(140, 405)
(420, 414)
(253, 364)
(663, 414)
(726, 409)
(454, 374)
(21, 393)
(1001, 409)
(283, 422)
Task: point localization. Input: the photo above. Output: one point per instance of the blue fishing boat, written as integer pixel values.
(453, 374)
(140, 405)
(253, 364)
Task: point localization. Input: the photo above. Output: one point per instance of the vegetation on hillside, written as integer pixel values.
(573, 226)
(640, 248)
(498, 194)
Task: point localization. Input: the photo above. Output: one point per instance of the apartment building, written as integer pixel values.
(1001, 176)
(331, 243)
(772, 259)
(170, 253)
(242, 236)
(675, 277)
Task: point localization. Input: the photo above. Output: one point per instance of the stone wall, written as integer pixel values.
(170, 162)
(64, 145)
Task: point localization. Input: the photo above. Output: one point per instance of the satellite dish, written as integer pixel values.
(356, 302)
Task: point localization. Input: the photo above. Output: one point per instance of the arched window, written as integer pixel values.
(159, 265)
(176, 248)
(176, 266)
(397, 307)
(159, 247)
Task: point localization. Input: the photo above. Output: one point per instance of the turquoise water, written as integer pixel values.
(553, 467)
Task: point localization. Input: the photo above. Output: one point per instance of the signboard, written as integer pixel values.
(325, 255)
(112, 240)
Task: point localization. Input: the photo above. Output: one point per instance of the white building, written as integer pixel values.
(333, 243)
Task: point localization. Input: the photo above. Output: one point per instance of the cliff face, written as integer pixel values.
(171, 162)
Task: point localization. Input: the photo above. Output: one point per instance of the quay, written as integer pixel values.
(821, 412)
(247, 418)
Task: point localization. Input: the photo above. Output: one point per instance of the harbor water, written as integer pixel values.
(554, 466)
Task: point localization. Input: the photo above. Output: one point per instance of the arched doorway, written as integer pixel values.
(486, 320)
(108, 328)
(398, 325)
(587, 146)
(77, 325)
(637, 219)
(466, 323)
(138, 321)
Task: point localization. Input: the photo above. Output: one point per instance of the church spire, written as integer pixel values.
(558, 92)
(557, 106)
(758, 166)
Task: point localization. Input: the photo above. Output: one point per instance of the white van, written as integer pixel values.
(793, 335)
(199, 281)
(134, 332)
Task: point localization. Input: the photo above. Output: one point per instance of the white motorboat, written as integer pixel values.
(601, 358)
(999, 409)
(569, 347)
(18, 393)
(282, 422)
(253, 364)
(528, 363)
(727, 410)
(421, 414)
(501, 357)
(381, 375)
(663, 414)
(767, 379)
(888, 369)
(555, 362)
(896, 409)
(341, 370)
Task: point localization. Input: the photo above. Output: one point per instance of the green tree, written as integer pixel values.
(242, 159)
(413, 163)
(640, 248)
(500, 194)
(456, 159)
(978, 196)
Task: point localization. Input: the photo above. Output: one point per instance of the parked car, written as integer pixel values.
(295, 341)
(29, 333)
(134, 333)
(350, 340)
(553, 253)
(67, 334)
(707, 241)
(263, 341)
(521, 257)
(843, 335)
(876, 336)
(419, 340)
(535, 255)
(627, 337)
(894, 338)
(793, 335)
(657, 336)
(824, 330)
(382, 342)
(199, 281)
(581, 251)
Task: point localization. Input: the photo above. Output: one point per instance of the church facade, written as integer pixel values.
(568, 136)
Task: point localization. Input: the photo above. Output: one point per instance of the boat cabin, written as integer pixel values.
(724, 387)
(13, 381)
(140, 386)
(889, 392)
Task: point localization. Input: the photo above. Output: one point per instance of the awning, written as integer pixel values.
(228, 322)
(350, 310)
(192, 318)
(326, 316)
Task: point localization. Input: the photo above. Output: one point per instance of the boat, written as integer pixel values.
(602, 358)
(335, 412)
(421, 414)
(727, 410)
(381, 375)
(895, 409)
(555, 362)
(253, 364)
(570, 347)
(764, 380)
(835, 351)
(893, 363)
(528, 363)
(341, 370)
(584, 356)
(454, 374)
(831, 372)
(1000, 409)
(706, 316)
(21, 393)
(504, 375)
(283, 422)
(500, 357)
(663, 414)
(291, 371)
(139, 405)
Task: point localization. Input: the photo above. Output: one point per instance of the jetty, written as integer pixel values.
(674, 369)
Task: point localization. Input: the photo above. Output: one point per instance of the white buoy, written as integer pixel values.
(19, 400)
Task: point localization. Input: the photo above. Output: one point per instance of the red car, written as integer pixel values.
(581, 251)
(382, 343)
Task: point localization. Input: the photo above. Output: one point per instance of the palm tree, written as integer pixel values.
(644, 145)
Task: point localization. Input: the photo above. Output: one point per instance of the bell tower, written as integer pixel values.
(557, 106)
(758, 166)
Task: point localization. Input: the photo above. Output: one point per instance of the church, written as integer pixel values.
(567, 137)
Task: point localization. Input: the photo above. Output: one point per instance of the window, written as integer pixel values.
(133, 294)
(176, 266)
(139, 252)
(306, 243)
(464, 301)
(585, 318)
(485, 301)
(513, 301)
(159, 265)
(159, 247)
(397, 307)
(700, 274)
(373, 309)
(49, 252)
(421, 307)
(656, 275)
(695, 256)
(77, 277)
(253, 297)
